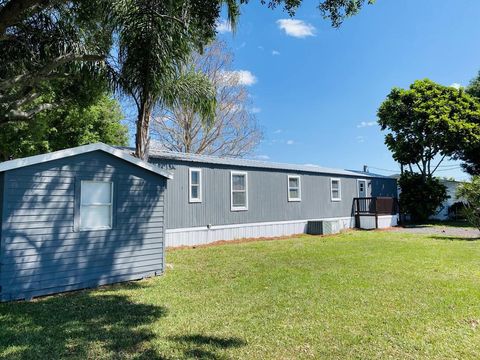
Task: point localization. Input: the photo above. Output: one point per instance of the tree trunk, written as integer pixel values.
(142, 138)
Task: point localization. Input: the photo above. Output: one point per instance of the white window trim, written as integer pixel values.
(339, 189)
(95, 204)
(238, 208)
(190, 199)
(299, 198)
(358, 187)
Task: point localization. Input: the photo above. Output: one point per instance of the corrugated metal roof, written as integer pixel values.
(60, 154)
(208, 159)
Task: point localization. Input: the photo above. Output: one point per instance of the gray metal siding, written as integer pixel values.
(267, 195)
(44, 254)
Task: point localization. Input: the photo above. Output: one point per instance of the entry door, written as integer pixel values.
(362, 188)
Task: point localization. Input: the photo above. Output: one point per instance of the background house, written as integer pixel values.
(442, 212)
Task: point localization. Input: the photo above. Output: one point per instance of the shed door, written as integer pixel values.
(362, 188)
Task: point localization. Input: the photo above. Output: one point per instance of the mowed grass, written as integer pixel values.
(363, 295)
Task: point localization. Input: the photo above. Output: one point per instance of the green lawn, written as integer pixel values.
(361, 295)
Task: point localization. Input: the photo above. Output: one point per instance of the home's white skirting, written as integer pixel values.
(384, 221)
(204, 235)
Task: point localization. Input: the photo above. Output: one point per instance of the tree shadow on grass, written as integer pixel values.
(78, 325)
(454, 238)
(206, 347)
(440, 223)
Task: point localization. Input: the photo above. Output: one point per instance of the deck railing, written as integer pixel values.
(374, 206)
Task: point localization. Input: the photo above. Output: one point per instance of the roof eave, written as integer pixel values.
(261, 165)
(56, 155)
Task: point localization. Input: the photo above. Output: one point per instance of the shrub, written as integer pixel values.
(470, 192)
(420, 196)
(456, 211)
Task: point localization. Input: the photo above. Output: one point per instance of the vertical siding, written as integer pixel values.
(1, 206)
(42, 252)
(1, 226)
(267, 196)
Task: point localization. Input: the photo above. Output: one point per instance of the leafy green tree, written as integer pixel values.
(470, 193)
(470, 154)
(420, 197)
(428, 121)
(61, 128)
(14, 11)
(44, 42)
(338, 10)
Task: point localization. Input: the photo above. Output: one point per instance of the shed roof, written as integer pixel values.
(208, 159)
(38, 159)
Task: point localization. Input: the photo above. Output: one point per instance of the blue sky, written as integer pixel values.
(316, 95)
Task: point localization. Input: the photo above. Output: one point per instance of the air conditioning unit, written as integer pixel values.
(323, 227)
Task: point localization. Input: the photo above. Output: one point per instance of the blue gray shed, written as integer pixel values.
(79, 218)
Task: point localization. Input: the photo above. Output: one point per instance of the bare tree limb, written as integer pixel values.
(234, 131)
(436, 167)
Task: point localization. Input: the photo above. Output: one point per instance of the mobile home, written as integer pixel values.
(213, 198)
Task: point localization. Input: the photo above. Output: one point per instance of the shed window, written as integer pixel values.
(239, 189)
(336, 189)
(195, 185)
(294, 191)
(96, 198)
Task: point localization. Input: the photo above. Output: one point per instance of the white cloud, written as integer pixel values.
(296, 28)
(260, 47)
(311, 165)
(223, 26)
(290, 142)
(244, 77)
(241, 46)
(366, 124)
(278, 131)
(275, 52)
(262, 157)
(361, 139)
(456, 85)
(255, 110)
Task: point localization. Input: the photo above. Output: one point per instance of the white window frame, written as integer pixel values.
(358, 187)
(238, 208)
(110, 204)
(190, 198)
(339, 189)
(299, 198)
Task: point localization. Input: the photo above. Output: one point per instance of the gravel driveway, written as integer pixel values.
(466, 232)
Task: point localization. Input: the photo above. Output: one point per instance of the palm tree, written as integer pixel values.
(154, 39)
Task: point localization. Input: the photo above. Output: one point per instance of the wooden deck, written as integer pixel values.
(374, 206)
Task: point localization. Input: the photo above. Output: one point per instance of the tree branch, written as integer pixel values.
(18, 115)
(14, 10)
(436, 167)
(169, 17)
(46, 72)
